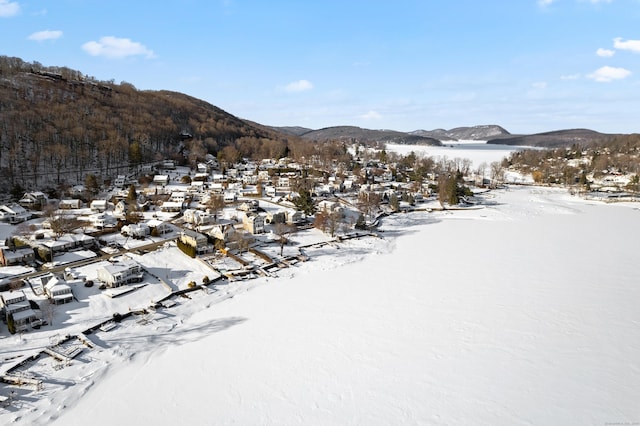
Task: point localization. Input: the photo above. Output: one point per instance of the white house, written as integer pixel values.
(102, 220)
(17, 307)
(14, 213)
(230, 197)
(160, 227)
(33, 199)
(178, 196)
(171, 206)
(222, 230)
(161, 180)
(98, 206)
(70, 204)
(57, 290)
(119, 274)
(68, 242)
(136, 230)
(198, 217)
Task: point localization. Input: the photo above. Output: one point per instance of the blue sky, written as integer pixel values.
(527, 65)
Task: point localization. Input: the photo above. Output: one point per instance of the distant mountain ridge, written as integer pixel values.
(491, 133)
(479, 133)
(417, 137)
(554, 139)
(353, 133)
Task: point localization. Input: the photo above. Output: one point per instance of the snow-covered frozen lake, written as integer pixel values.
(477, 151)
(524, 312)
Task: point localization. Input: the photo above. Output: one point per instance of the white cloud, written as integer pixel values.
(371, 115)
(45, 35)
(8, 8)
(570, 77)
(601, 1)
(632, 45)
(540, 85)
(545, 3)
(298, 86)
(607, 74)
(115, 48)
(605, 53)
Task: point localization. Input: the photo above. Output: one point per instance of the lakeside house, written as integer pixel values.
(196, 240)
(57, 290)
(253, 223)
(119, 274)
(18, 310)
(14, 213)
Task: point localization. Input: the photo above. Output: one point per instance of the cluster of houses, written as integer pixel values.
(255, 196)
(269, 181)
(21, 313)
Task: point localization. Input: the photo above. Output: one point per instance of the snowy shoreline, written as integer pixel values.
(513, 314)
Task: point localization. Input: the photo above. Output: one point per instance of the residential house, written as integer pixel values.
(253, 223)
(102, 220)
(33, 200)
(198, 217)
(119, 274)
(329, 206)
(249, 206)
(230, 196)
(171, 206)
(196, 240)
(57, 290)
(284, 183)
(65, 243)
(120, 209)
(158, 227)
(216, 188)
(70, 204)
(120, 181)
(204, 168)
(99, 206)
(196, 187)
(218, 178)
(14, 213)
(294, 216)
(17, 308)
(136, 230)
(161, 180)
(223, 230)
(276, 217)
(270, 190)
(201, 177)
(16, 256)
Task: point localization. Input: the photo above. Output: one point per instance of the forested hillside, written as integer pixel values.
(57, 125)
(581, 164)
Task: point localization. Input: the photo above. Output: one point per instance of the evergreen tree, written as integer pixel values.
(132, 196)
(305, 202)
